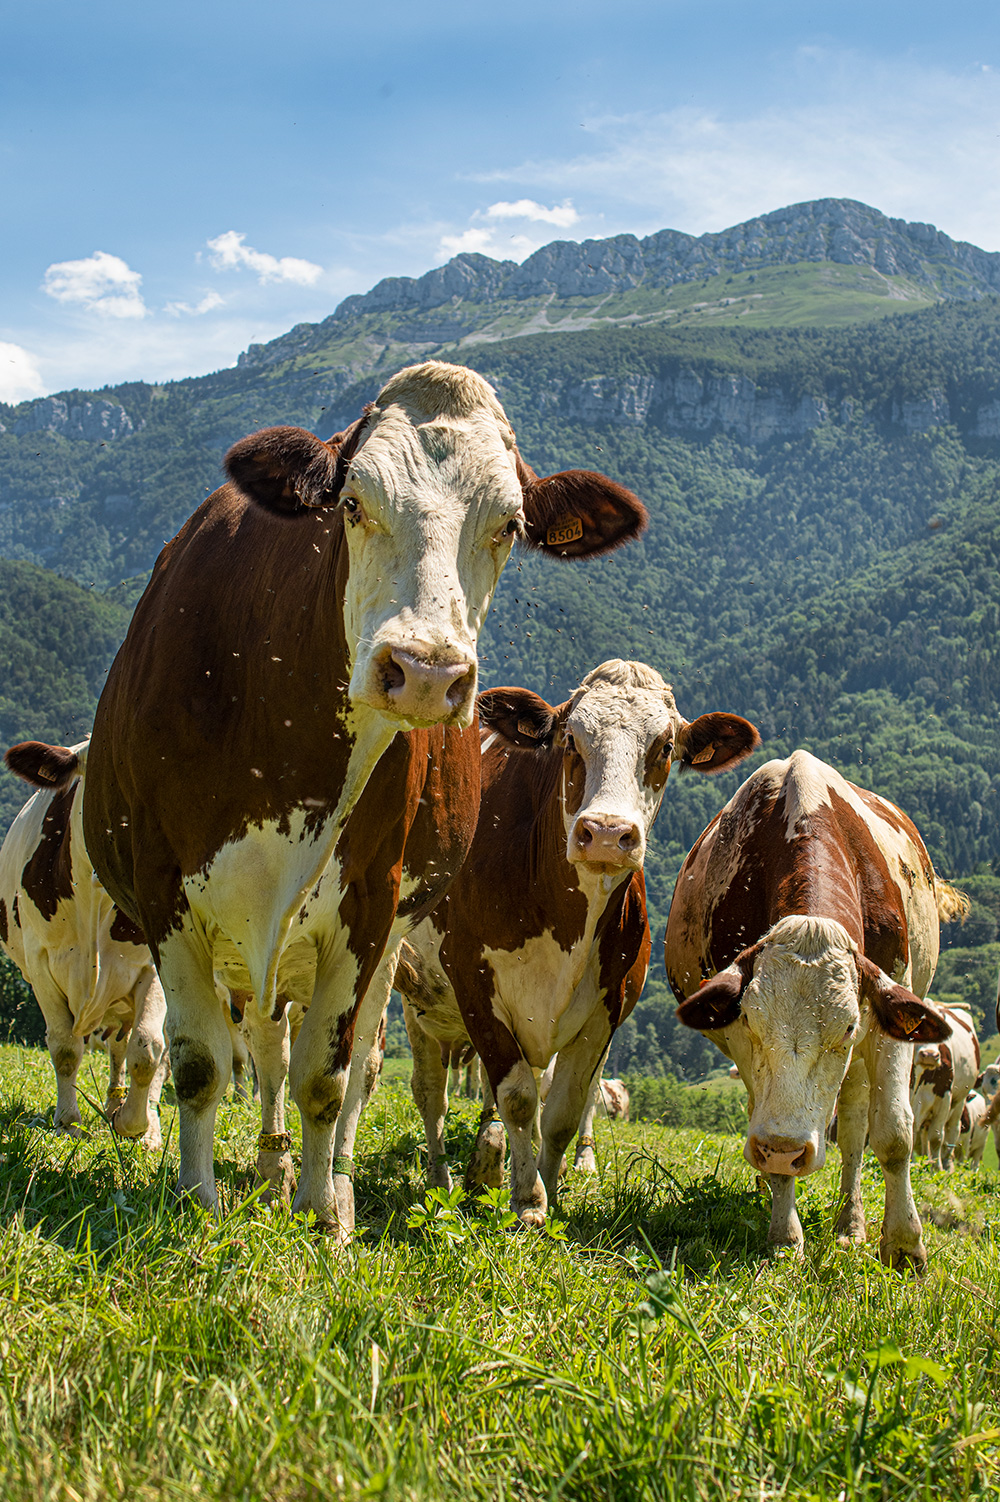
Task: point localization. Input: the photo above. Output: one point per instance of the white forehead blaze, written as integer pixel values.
(618, 714)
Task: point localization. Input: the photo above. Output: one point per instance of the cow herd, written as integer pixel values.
(294, 799)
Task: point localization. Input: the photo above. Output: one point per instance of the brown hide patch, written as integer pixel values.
(48, 875)
(124, 931)
(3, 921)
(15, 913)
(942, 1077)
(828, 867)
(657, 765)
(221, 710)
(965, 1121)
(623, 947)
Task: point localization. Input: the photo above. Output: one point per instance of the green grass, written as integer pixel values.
(647, 1348)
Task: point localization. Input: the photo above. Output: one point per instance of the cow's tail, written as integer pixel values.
(50, 767)
(952, 905)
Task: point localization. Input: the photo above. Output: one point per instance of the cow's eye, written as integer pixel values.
(509, 532)
(352, 509)
(570, 742)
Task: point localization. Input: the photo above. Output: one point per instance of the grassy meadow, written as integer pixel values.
(645, 1348)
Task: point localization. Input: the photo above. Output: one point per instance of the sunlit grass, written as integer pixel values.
(646, 1348)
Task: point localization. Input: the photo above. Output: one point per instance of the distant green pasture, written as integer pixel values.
(646, 1349)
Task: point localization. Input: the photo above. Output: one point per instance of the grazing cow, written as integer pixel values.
(940, 1079)
(542, 943)
(87, 964)
(802, 934)
(972, 1131)
(250, 795)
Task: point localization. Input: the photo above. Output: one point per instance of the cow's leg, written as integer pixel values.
(785, 1230)
(65, 1050)
(318, 1076)
(429, 1084)
(852, 1129)
(366, 1062)
(267, 1037)
(952, 1129)
(485, 1168)
(201, 1056)
(117, 1087)
(517, 1098)
(577, 1067)
(241, 1068)
(138, 1116)
(934, 1133)
(890, 1130)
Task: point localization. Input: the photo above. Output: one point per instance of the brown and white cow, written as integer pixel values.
(541, 946)
(250, 795)
(802, 935)
(973, 1130)
(941, 1077)
(87, 964)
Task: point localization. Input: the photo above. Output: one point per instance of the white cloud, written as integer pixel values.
(102, 283)
(470, 240)
(208, 302)
(229, 254)
(19, 377)
(913, 141)
(562, 215)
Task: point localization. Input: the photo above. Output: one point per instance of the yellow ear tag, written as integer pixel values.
(525, 728)
(705, 755)
(910, 1026)
(569, 529)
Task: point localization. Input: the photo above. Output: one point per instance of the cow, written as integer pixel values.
(973, 1130)
(941, 1077)
(989, 1084)
(542, 944)
(251, 792)
(802, 935)
(88, 965)
(610, 1097)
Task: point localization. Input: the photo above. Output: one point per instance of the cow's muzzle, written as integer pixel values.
(606, 840)
(425, 690)
(784, 1155)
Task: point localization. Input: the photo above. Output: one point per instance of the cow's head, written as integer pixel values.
(793, 1008)
(619, 734)
(433, 495)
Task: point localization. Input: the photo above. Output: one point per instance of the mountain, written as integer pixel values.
(824, 486)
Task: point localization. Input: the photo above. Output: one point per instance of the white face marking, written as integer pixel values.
(435, 499)
(800, 1022)
(612, 725)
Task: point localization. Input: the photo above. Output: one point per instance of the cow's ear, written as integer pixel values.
(715, 742)
(898, 1012)
(50, 767)
(578, 513)
(521, 717)
(716, 1003)
(290, 470)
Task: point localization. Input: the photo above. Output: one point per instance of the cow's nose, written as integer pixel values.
(427, 692)
(782, 1155)
(604, 840)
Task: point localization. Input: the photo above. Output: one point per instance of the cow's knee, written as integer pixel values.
(197, 1079)
(517, 1096)
(322, 1096)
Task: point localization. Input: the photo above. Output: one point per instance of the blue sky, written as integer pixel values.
(179, 180)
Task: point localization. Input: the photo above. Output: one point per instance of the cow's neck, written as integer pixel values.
(817, 879)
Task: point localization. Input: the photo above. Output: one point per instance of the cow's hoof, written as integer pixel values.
(786, 1251)
(905, 1262)
(279, 1175)
(532, 1217)
(152, 1142)
(72, 1129)
(586, 1162)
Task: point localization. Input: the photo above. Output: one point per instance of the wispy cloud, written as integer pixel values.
(210, 301)
(19, 377)
(486, 238)
(100, 283)
(563, 215)
(229, 253)
(916, 142)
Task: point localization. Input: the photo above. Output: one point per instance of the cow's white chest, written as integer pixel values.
(75, 948)
(267, 904)
(543, 994)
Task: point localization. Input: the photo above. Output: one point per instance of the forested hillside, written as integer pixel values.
(823, 554)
